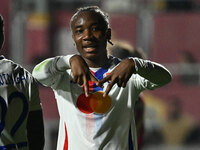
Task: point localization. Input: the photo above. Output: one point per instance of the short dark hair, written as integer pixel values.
(94, 9)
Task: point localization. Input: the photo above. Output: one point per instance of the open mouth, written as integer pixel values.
(90, 48)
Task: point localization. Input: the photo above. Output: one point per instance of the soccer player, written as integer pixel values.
(96, 93)
(21, 120)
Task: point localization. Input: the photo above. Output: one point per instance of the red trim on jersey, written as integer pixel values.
(107, 73)
(66, 140)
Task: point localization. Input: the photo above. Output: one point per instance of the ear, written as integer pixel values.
(108, 34)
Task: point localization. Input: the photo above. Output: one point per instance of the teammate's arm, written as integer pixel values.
(155, 73)
(35, 130)
(35, 124)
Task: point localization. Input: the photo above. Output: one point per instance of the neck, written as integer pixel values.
(98, 62)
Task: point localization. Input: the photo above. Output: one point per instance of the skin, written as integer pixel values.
(35, 125)
(90, 37)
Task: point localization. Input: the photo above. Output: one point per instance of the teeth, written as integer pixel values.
(89, 46)
(88, 49)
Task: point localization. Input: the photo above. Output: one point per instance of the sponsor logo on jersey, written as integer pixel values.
(95, 103)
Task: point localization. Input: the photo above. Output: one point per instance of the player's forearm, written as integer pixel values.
(154, 72)
(49, 68)
(63, 63)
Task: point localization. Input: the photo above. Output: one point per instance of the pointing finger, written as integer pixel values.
(110, 85)
(93, 78)
(124, 84)
(102, 81)
(75, 79)
(86, 86)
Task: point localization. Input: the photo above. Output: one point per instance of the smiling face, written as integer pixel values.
(90, 36)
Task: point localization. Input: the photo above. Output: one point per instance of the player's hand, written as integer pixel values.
(119, 75)
(81, 73)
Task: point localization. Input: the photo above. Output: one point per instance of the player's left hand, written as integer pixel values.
(81, 73)
(119, 75)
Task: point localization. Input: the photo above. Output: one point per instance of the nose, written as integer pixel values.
(87, 35)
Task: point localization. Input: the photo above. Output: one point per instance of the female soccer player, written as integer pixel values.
(96, 93)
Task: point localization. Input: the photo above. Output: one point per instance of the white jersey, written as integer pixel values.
(94, 123)
(18, 96)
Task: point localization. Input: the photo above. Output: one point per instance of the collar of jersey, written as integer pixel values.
(94, 69)
(110, 61)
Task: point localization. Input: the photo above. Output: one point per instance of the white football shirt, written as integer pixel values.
(18, 96)
(95, 123)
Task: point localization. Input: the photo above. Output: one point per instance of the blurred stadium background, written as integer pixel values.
(167, 30)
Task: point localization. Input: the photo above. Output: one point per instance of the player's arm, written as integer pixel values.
(152, 71)
(46, 71)
(81, 73)
(35, 124)
(156, 74)
(35, 130)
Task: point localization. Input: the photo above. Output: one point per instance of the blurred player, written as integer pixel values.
(21, 121)
(95, 93)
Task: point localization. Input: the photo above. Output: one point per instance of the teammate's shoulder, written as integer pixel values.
(16, 68)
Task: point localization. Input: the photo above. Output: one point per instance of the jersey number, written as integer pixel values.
(4, 108)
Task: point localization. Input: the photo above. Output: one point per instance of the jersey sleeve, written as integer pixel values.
(50, 70)
(150, 75)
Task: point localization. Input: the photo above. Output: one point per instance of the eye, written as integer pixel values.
(96, 28)
(79, 31)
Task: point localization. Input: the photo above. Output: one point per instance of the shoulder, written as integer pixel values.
(17, 71)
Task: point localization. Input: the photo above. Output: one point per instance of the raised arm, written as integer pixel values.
(151, 71)
(81, 73)
(46, 71)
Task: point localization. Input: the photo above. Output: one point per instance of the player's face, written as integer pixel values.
(90, 36)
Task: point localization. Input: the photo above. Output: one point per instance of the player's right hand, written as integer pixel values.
(120, 75)
(81, 73)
